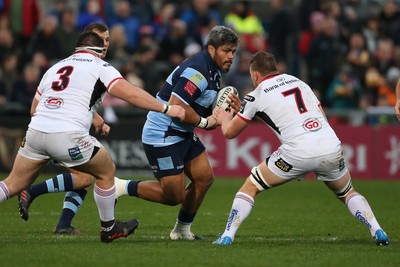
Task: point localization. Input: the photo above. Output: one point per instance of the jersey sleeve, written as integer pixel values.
(108, 74)
(249, 107)
(191, 84)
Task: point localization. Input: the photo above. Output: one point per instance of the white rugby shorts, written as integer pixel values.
(68, 149)
(327, 167)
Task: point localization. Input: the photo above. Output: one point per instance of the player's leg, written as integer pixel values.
(201, 176)
(358, 207)
(102, 168)
(260, 179)
(64, 182)
(72, 202)
(23, 173)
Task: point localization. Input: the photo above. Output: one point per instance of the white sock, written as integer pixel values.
(182, 227)
(121, 187)
(241, 208)
(360, 209)
(4, 193)
(105, 199)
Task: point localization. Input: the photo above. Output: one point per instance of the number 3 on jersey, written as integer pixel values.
(63, 79)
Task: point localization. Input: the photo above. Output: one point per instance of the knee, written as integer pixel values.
(174, 200)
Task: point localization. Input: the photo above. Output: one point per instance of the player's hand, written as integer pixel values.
(234, 102)
(222, 116)
(397, 109)
(176, 111)
(103, 129)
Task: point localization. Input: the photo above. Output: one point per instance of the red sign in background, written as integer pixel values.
(370, 153)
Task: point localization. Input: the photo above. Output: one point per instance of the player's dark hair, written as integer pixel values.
(96, 26)
(90, 39)
(221, 35)
(263, 62)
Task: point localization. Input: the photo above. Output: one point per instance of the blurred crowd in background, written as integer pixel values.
(348, 51)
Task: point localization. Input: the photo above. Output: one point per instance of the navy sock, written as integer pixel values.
(61, 183)
(132, 188)
(185, 218)
(72, 202)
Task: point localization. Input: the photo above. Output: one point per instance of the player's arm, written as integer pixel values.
(34, 104)
(142, 99)
(397, 105)
(230, 127)
(191, 116)
(100, 126)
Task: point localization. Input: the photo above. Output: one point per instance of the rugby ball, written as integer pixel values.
(222, 99)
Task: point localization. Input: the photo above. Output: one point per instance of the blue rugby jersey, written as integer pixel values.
(195, 82)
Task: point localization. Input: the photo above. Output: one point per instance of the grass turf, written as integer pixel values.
(297, 224)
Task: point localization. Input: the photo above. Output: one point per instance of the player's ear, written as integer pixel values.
(210, 49)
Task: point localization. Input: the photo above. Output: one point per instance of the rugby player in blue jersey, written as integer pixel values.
(173, 150)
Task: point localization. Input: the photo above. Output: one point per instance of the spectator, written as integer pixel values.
(143, 10)
(239, 76)
(371, 33)
(389, 18)
(384, 55)
(67, 32)
(172, 46)
(7, 44)
(197, 15)
(246, 23)
(9, 67)
(282, 34)
(123, 16)
(316, 22)
(89, 14)
(46, 40)
(24, 17)
(117, 51)
(344, 90)
(57, 8)
(325, 57)
(387, 90)
(24, 88)
(358, 55)
(162, 22)
(149, 70)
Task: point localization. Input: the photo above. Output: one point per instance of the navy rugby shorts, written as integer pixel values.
(170, 160)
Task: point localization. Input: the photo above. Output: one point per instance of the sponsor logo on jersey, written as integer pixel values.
(231, 219)
(197, 78)
(190, 88)
(283, 165)
(75, 153)
(53, 102)
(106, 64)
(312, 125)
(249, 98)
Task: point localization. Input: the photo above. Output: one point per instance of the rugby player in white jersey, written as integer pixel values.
(290, 108)
(63, 109)
(74, 182)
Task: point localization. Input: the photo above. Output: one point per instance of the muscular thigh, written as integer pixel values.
(327, 167)
(67, 149)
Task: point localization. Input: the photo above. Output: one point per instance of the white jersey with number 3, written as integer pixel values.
(71, 91)
(291, 109)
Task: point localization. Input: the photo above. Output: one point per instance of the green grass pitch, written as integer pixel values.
(297, 224)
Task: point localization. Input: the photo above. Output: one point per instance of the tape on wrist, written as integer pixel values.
(166, 108)
(203, 123)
